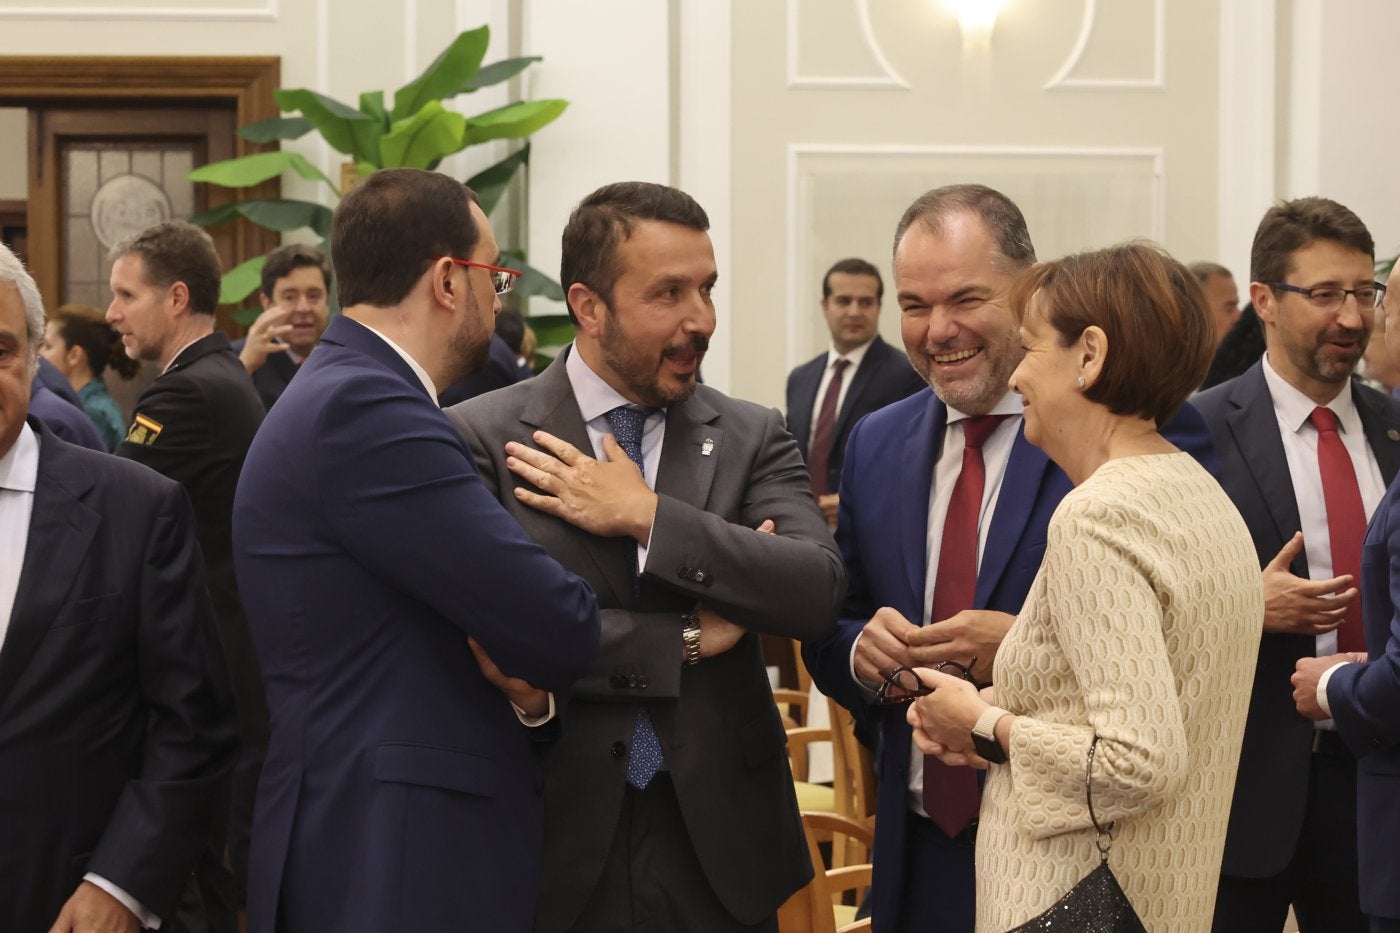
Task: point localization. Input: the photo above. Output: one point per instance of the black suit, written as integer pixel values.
(116, 725)
(206, 412)
(1272, 788)
(273, 376)
(884, 377)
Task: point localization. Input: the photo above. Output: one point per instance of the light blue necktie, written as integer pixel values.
(645, 760)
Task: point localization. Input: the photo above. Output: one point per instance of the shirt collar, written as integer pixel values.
(19, 468)
(1294, 408)
(594, 396)
(418, 371)
(178, 352)
(1010, 404)
(854, 357)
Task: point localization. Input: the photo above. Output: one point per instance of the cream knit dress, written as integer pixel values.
(1142, 626)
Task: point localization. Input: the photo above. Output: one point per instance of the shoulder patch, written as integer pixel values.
(143, 431)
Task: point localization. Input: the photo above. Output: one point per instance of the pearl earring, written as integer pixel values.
(1081, 382)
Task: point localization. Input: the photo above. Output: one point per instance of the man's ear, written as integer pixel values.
(266, 301)
(441, 285)
(179, 298)
(588, 308)
(1262, 297)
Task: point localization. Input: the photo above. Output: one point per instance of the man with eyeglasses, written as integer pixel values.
(392, 601)
(1306, 455)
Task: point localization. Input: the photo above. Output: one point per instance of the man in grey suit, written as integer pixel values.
(668, 800)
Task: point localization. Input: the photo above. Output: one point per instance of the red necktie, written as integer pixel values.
(950, 794)
(1346, 519)
(819, 456)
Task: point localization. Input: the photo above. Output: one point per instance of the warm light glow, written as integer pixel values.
(977, 19)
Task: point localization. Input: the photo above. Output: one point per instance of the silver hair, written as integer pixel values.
(12, 272)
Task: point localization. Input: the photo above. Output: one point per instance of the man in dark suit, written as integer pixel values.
(827, 395)
(295, 295)
(1306, 453)
(669, 804)
(957, 251)
(392, 599)
(116, 726)
(194, 424)
(1361, 692)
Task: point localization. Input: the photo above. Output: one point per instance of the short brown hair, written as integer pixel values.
(1161, 336)
(391, 227)
(853, 267)
(285, 260)
(1292, 225)
(604, 219)
(177, 251)
(1003, 219)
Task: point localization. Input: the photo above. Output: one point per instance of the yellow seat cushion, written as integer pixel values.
(845, 914)
(815, 797)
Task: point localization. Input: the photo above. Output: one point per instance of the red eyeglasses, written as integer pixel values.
(502, 279)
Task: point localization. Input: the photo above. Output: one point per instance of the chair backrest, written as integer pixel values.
(852, 765)
(813, 909)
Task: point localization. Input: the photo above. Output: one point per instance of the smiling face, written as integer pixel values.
(15, 373)
(648, 345)
(1047, 379)
(1316, 350)
(957, 327)
(302, 292)
(852, 309)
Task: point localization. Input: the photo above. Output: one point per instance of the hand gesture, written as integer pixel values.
(943, 719)
(1306, 675)
(608, 498)
(265, 337)
(883, 645)
(972, 633)
(1298, 606)
(533, 701)
(93, 910)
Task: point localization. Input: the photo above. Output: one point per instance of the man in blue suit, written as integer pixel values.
(1361, 693)
(396, 609)
(859, 374)
(957, 251)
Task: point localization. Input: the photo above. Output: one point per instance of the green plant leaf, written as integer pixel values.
(247, 171)
(245, 317)
(340, 124)
(489, 184)
(269, 131)
(532, 281)
(241, 281)
(551, 330)
(423, 138)
(513, 121)
(496, 72)
(275, 214)
(446, 76)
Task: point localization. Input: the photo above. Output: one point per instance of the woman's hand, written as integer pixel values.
(943, 719)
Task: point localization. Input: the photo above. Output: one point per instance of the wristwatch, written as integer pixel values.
(691, 636)
(984, 737)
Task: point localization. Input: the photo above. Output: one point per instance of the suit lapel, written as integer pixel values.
(1382, 431)
(61, 529)
(799, 419)
(1020, 487)
(869, 369)
(921, 449)
(1253, 425)
(353, 335)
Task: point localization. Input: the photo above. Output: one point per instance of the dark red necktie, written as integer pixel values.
(1346, 519)
(950, 794)
(819, 455)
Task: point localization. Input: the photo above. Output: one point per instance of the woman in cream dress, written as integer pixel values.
(1141, 628)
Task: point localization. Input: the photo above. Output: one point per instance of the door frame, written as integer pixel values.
(245, 82)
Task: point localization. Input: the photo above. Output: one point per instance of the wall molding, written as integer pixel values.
(799, 317)
(889, 80)
(268, 12)
(1061, 81)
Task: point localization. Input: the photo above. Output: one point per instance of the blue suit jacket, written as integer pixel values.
(1271, 787)
(882, 530)
(1365, 702)
(400, 792)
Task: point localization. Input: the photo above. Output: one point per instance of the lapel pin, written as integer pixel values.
(1393, 434)
(708, 447)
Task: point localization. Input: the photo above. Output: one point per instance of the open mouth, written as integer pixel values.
(954, 357)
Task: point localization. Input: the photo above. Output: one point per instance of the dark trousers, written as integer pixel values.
(1320, 880)
(940, 894)
(652, 880)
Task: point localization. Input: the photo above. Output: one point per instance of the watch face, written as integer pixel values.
(989, 748)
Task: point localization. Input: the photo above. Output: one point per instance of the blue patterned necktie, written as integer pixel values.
(626, 423)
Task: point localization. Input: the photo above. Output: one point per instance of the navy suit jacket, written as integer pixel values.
(882, 528)
(116, 721)
(1272, 784)
(273, 377)
(1365, 702)
(400, 791)
(884, 377)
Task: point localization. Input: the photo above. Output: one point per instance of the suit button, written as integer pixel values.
(642, 681)
(699, 576)
(618, 749)
(632, 681)
(683, 572)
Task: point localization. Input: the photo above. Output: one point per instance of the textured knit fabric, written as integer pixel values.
(1142, 626)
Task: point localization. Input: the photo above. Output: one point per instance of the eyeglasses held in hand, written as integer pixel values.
(902, 685)
(502, 279)
(1330, 297)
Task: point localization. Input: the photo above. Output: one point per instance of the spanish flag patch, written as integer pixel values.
(143, 431)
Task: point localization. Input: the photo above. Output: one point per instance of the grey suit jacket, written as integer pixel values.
(726, 465)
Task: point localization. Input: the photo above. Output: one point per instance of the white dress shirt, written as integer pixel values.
(832, 355)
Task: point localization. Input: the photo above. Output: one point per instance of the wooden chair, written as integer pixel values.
(829, 902)
(853, 782)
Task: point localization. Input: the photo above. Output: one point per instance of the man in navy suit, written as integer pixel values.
(957, 251)
(295, 295)
(116, 722)
(1292, 833)
(863, 371)
(396, 609)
